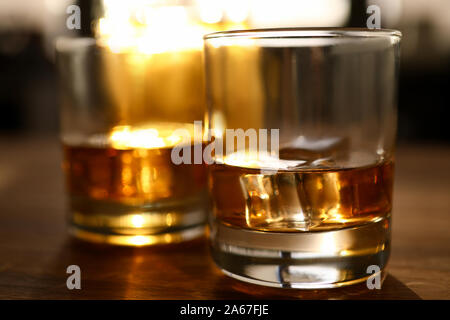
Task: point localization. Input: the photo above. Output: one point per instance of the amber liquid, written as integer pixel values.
(303, 199)
(134, 176)
(125, 189)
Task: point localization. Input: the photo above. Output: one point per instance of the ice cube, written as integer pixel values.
(320, 191)
(309, 149)
(273, 202)
(263, 161)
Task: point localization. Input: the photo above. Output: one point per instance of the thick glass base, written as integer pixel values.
(138, 240)
(132, 225)
(303, 260)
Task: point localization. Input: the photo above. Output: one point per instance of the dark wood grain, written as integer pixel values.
(35, 249)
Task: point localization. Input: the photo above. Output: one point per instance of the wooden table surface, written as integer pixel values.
(35, 249)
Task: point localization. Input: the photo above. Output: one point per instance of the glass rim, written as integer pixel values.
(304, 33)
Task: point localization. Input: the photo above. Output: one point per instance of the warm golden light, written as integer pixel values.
(137, 221)
(143, 27)
(260, 159)
(139, 240)
(210, 10)
(153, 136)
(237, 11)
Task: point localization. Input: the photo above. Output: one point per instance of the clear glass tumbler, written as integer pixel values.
(120, 114)
(313, 210)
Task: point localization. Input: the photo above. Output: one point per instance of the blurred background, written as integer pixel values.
(28, 28)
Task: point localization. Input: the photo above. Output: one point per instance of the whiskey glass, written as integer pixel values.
(315, 210)
(120, 114)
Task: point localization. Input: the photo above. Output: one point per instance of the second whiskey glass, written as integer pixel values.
(121, 118)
